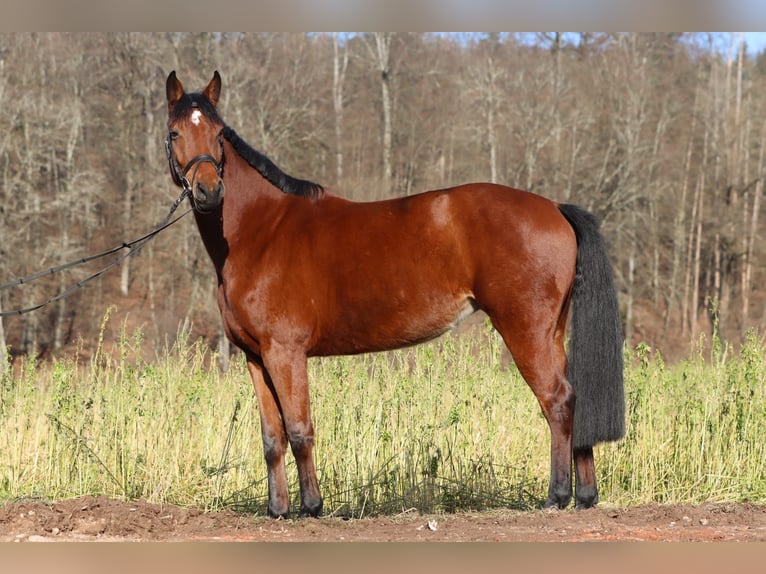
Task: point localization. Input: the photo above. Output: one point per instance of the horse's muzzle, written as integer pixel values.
(205, 199)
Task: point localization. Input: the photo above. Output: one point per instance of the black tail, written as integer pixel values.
(595, 365)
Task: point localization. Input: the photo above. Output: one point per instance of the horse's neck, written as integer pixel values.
(249, 203)
(248, 196)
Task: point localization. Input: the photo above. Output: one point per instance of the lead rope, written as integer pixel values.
(133, 246)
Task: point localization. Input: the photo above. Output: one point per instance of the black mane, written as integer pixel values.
(269, 170)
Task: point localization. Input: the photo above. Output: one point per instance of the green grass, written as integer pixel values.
(441, 427)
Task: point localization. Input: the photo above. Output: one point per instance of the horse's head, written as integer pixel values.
(195, 142)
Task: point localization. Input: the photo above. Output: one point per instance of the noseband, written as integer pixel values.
(180, 174)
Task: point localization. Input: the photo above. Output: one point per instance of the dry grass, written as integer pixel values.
(440, 427)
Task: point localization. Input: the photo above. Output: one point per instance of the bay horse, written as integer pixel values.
(303, 273)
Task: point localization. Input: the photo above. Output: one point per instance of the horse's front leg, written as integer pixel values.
(287, 369)
(274, 438)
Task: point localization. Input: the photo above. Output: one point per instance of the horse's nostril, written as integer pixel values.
(205, 191)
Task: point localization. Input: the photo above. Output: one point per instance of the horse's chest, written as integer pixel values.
(257, 314)
(241, 321)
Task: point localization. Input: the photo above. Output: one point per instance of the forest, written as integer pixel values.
(662, 136)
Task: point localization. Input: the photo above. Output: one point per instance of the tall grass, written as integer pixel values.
(440, 427)
(695, 429)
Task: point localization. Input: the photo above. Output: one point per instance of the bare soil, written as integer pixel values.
(105, 519)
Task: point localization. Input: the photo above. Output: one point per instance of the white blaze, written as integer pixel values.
(196, 115)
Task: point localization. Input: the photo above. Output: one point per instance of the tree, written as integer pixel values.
(379, 48)
(339, 67)
(486, 84)
(663, 139)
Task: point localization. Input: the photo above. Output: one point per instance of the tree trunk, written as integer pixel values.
(383, 56)
(751, 234)
(339, 75)
(630, 288)
(679, 231)
(694, 303)
(126, 217)
(691, 284)
(3, 344)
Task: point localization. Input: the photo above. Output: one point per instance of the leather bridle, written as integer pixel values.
(179, 174)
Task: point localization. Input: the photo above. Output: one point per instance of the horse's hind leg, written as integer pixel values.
(586, 492)
(541, 359)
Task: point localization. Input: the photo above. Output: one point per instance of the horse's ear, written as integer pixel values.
(174, 90)
(213, 89)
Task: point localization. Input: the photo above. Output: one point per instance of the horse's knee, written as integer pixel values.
(301, 441)
(273, 449)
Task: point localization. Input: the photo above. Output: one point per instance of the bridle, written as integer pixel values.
(179, 174)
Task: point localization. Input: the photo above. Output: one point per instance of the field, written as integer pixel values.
(446, 431)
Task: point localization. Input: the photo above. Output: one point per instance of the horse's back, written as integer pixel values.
(484, 211)
(494, 229)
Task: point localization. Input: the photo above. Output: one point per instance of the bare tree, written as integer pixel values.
(339, 67)
(672, 294)
(3, 222)
(485, 89)
(663, 139)
(751, 230)
(379, 48)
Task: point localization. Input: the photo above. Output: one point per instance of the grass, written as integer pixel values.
(440, 427)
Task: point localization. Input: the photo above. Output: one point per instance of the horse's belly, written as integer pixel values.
(388, 327)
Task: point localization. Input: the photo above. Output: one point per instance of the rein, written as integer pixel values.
(133, 246)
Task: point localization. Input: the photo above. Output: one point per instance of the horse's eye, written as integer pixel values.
(173, 134)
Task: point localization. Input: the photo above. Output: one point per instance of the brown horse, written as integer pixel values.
(302, 273)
